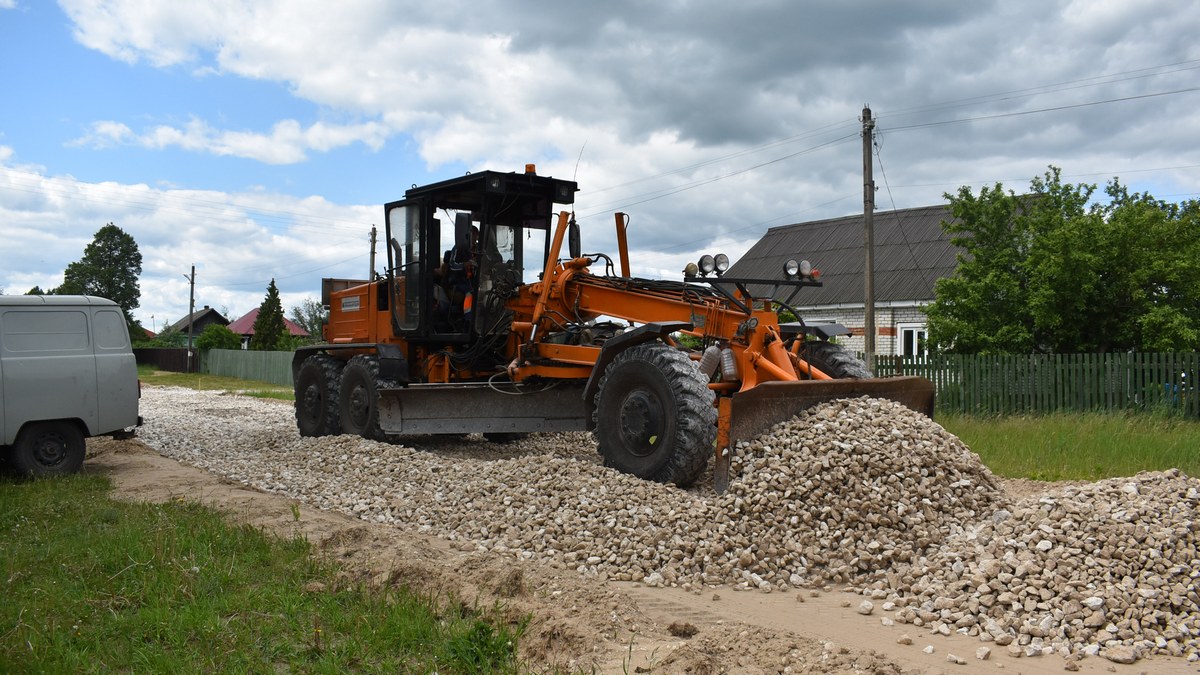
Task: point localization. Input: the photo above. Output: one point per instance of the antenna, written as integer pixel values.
(578, 159)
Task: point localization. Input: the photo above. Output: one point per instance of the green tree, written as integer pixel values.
(216, 336)
(1049, 271)
(310, 315)
(36, 290)
(109, 268)
(270, 333)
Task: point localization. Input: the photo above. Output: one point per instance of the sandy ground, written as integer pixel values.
(591, 624)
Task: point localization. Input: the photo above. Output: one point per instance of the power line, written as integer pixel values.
(651, 196)
(1020, 113)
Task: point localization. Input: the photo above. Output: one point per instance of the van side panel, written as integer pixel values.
(116, 369)
(3, 429)
(50, 369)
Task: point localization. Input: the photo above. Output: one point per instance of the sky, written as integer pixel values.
(259, 140)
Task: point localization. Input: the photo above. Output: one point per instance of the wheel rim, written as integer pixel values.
(313, 405)
(360, 406)
(643, 423)
(50, 450)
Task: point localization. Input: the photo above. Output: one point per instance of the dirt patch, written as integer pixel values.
(581, 623)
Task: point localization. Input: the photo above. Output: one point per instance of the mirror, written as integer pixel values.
(573, 244)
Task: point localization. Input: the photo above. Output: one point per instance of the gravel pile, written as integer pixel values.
(1109, 565)
(862, 492)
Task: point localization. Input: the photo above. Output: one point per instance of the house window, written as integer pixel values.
(912, 340)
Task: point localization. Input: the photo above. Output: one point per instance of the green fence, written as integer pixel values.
(273, 367)
(1042, 383)
(988, 385)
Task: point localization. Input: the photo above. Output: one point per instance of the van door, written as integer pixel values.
(49, 366)
(5, 439)
(116, 372)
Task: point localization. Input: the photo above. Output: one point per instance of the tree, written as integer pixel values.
(310, 315)
(109, 268)
(216, 336)
(270, 333)
(36, 290)
(1047, 272)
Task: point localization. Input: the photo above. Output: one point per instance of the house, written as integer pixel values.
(912, 251)
(199, 320)
(245, 327)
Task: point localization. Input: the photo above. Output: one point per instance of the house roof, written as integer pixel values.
(911, 252)
(202, 316)
(245, 325)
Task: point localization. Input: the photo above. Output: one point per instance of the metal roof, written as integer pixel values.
(911, 252)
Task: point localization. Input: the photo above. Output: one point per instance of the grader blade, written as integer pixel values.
(756, 410)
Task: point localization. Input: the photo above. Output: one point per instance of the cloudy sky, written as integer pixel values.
(259, 139)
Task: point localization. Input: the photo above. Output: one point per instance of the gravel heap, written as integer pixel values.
(862, 492)
(1110, 564)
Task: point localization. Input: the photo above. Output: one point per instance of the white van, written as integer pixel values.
(66, 372)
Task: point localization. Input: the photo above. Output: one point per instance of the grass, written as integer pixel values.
(151, 375)
(1080, 446)
(96, 585)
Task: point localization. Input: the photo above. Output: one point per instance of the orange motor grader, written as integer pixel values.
(489, 326)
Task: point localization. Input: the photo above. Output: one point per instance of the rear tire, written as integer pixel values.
(360, 398)
(654, 417)
(48, 449)
(317, 386)
(834, 361)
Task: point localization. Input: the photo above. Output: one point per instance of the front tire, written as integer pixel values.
(834, 361)
(360, 398)
(48, 449)
(654, 416)
(317, 386)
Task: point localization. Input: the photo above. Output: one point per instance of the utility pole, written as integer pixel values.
(868, 135)
(371, 275)
(191, 310)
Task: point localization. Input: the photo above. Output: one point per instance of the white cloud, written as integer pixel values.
(287, 143)
(238, 242)
(681, 100)
(8, 4)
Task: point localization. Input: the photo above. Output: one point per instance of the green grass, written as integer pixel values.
(96, 585)
(151, 375)
(1080, 446)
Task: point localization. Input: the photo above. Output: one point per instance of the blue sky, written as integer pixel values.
(259, 140)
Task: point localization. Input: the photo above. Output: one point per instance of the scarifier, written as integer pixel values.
(504, 335)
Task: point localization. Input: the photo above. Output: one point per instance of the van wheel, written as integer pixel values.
(317, 396)
(48, 449)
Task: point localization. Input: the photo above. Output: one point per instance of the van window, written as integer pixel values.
(45, 331)
(111, 332)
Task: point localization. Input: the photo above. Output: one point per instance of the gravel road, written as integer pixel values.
(863, 494)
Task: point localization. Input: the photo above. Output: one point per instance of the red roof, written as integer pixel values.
(245, 325)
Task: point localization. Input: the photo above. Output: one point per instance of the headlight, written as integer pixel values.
(707, 264)
(806, 269)
(722, 262)
(791, 268)
(690, 270)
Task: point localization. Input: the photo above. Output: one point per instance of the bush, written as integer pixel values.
(216, 336)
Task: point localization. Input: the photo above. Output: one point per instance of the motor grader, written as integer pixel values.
(664, 373)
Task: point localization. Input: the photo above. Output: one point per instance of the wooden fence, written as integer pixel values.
(986, 385)
(1042, 383)
(169, 358)
(273, 367)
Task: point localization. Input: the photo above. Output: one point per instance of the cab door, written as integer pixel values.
(407, 262)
